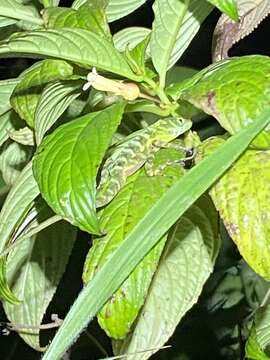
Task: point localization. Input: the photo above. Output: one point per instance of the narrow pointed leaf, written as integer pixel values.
(155, 224)
(67, 161)
(186, 263)
(76, 45)
(34, 268)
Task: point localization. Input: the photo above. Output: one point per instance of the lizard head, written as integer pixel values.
(170, 128)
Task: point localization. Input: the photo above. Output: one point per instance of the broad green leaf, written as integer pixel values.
(176, 23)
(13, 158)
(158, 220)
(116, 8)
(228, 32)
(235, 92)
(67, 161)
(130, 37)
(90, 16)
(76, 45)
(13, 9)
(24, 136)
(243, 209)
(187, 261)
(26, 94)
(34, 268)
(54, 100)
(229, 7)
(117, 220)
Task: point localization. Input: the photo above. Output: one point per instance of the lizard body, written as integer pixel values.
(133, 152)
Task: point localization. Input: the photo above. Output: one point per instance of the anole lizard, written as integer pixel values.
(228, 32)
(133, 153)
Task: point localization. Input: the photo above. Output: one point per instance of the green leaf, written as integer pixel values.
(13, 212)
(24, 136)
(49, 3)
(13, 9)
(117, 220)
(34, 268)
(76, 45)
(130, 37)
(229, 7)
(26, 94)
(137, 57)
(243, 209)
(5, 21)
(54, 100)
(253, 349)
(227, 91)
(116, 8)
(67, 161)
(176, 23)
(153, 226)
(5, 291)
(228, 32)
(13, 158)
(185, 265)
(6, 89)
(90, 16)
(8, 122)
(17, 204)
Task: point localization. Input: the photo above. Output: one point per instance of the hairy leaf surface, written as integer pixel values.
(235, 92)
(244, 209)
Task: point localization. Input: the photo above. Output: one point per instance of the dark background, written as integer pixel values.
(203, 345)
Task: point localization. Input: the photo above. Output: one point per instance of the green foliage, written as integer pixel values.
(97, 136)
